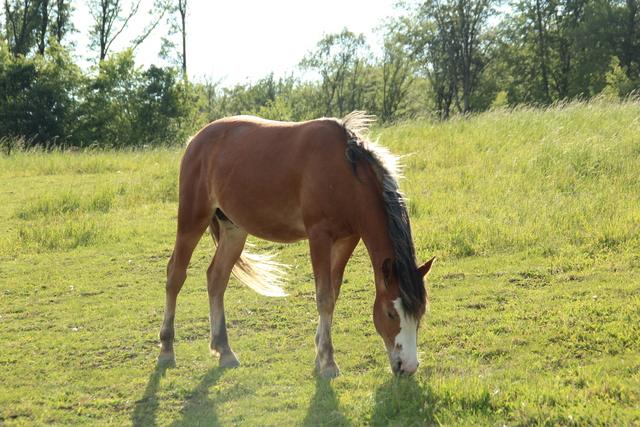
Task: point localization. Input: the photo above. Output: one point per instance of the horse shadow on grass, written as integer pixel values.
(324, 407)
(197, 406)
(399, 401)
(402, 401)
(144, 413)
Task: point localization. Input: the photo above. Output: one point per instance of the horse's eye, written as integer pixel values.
(390, 315)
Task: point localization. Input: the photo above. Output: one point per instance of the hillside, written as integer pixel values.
(534, 215)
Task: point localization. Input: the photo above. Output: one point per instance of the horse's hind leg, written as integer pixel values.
(230, 241)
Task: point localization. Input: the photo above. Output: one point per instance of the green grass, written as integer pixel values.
(534, 215)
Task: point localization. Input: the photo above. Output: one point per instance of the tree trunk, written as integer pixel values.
(43, 26)
(542, 52)
(182, 8)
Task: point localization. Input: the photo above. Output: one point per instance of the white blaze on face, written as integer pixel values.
(407, 339)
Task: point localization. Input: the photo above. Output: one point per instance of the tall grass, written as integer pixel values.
(65, 235)
(71, 207)
(559, 181)
(41, 162)
(552, 181)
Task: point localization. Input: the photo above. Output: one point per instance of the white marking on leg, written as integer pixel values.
(407, 338)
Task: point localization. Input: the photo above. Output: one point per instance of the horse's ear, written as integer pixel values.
(424, 268)
(386, 268)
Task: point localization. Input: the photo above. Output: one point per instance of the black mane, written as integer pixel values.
(412, 291)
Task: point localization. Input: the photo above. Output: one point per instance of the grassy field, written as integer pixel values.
(534, 215)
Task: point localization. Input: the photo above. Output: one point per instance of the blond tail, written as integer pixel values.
(259, 272)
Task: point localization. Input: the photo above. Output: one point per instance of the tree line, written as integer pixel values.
(437, 58)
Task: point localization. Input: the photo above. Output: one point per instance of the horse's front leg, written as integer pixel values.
(320, 249)
(230, 241)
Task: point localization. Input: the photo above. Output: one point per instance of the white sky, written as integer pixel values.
(244, 40)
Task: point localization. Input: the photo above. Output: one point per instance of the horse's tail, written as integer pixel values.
(259, 272)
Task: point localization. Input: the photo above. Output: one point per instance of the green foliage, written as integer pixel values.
(618, 84)
(501, 100)
(436, 58)
(398, 73)
(47, 101)
(38, 96)
(251, 98)
(341, 62)
(35, 24)
(286, 99)
(125, 106)
(22, 24)
(534, 303)
(556, 50)
(457, 44)
(108, 110)
(165, 112)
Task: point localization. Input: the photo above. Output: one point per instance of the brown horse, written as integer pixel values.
(319, 180)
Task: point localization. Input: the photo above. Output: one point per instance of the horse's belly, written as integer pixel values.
(273, 224)
(280, 233)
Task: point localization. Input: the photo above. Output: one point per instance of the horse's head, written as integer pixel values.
(398, 327)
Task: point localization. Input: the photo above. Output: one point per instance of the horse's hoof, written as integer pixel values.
(230, 364)
(330, 370)
(329, 373)
(230, 361)
(168, 358)
(168, 361)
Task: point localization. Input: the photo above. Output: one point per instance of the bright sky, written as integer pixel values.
(244, 40)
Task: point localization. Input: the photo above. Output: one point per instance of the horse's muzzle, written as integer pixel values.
(398, 367)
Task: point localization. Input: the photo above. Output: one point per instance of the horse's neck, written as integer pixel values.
(375, 236)
(372, 219)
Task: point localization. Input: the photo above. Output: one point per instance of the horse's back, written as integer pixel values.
(269, 178)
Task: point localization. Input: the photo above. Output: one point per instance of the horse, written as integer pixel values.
(320, 180)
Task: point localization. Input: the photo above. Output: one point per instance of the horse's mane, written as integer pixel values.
(386, 167)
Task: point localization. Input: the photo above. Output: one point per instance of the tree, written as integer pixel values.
(163, 107)
(453, 43)
(182, 9)
(62, 25)
(209, 96)
(38, 96)
(109, 105)
(30, 23)
(552, 44)
(177, 25)
(528, 51)
(561, 49)
(340, 60)
(108, 23)
(157, 12)
(429, 54)
(124, 105)
(397, 67)
(462, 38)
(44, 23)
(22, 19)
(630, 38)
